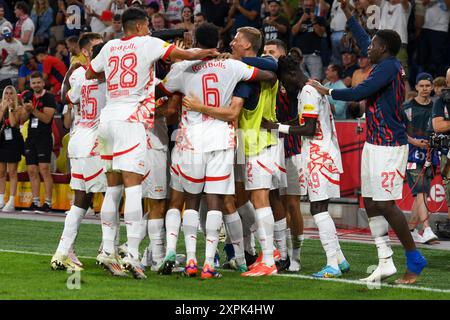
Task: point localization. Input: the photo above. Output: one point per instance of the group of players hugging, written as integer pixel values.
(254, 135)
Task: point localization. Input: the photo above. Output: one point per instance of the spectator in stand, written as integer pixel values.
(394, 16)
(361, 74)
(94, 10)
(417, 116)
(3, 21)
(333, 75)
(62, 53)
(246, 13)
(297, 55)
(11, 146)
(53, 72)
(173, 12)
(349, 66)
(216, 12)
(187, 19)
(11, 52)
(337, 27)
(74, 49)
(28, 66)
(118, 6)
(39, 109)
(158, 22)
(274, 25)
(307, 32)
(438, 84)
(199, 19)
(432, 49)
(116, 31)
(152, 8)
(24, 28)
(42, 16)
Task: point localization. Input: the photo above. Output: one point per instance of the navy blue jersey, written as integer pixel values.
(287, 109)
(385, 93)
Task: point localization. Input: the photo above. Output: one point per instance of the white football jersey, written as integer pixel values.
(213, 82)
(128, 64)
(91, 97)
(323, 147)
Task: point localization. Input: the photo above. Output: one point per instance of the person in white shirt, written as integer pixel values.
(337, 26)
(432, 49)
(321, 160)
(207, 144)
(11, 52)
(394, 16)
(87, 175)
(128, 67)
(94, 10)
(24, 28)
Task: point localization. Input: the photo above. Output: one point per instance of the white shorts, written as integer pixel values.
(87, 174)
(154, 183)
(209, 172)
(175, 182)
(296, 182)
(123, 146)
(266, 170)
(383, 171)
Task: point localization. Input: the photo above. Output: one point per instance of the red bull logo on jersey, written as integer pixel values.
(209, 64)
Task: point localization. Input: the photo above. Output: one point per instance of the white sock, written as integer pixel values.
(2, 199)
(12, 199)
(156, 235)
(327, 233)
(233, 226)
(213, 224)
(117, 238)
(190, 227)
(133, 219)
(279, 235)
(247, 213)
(173, 221)
(266, 222)
(71, 226)
(379, 227)
(297, 246)
(110, 218)
(289, 242)
(144, 227)
(203, 213)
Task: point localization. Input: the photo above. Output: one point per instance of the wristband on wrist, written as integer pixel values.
(283, 128)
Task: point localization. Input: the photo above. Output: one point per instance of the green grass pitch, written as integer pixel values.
(28, 275)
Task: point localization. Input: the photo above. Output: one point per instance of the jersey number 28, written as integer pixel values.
(128, 77)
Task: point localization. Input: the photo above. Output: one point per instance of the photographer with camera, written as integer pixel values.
(417, 116)
(441, 124)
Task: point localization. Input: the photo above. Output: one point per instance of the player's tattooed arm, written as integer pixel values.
(308, 129)
(231, 113)
(66, 82)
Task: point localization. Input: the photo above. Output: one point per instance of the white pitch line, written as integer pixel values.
(369, 285)
(356, 282)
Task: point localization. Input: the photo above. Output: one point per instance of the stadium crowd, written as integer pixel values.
(42, 45)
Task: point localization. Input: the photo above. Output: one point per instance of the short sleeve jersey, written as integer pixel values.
(37, 128)
(128, 64)
(91, 97)
(213, 82)
(323, 146)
